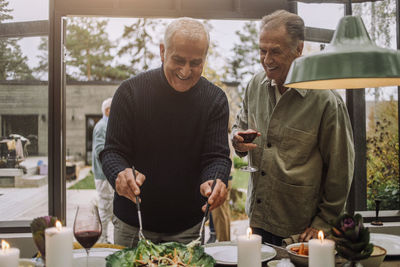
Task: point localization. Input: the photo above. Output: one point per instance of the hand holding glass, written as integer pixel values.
(248, 137)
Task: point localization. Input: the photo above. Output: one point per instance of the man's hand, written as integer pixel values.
(308, 234)
(239, 144)
(125, 184)
(218, 195)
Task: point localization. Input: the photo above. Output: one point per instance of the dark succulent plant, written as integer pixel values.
(351, 237)
(38, 227)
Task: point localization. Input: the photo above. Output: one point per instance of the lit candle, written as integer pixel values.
(59, 246)
(321, 252)
(249, 250)
(9, 257)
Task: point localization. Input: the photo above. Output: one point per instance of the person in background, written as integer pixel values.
(104, 189)
(170, 125)
(304, 151)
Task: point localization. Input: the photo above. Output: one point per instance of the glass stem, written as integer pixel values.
(87, 257)
(249, 160)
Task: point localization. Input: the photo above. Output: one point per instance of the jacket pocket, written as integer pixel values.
(296, 146)
(293, 206)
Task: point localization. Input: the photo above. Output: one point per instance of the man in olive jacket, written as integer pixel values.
(304, 150)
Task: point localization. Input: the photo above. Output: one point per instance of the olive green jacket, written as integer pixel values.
(305, 157)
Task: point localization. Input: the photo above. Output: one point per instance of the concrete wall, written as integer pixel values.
(23, 99)
(84, 98)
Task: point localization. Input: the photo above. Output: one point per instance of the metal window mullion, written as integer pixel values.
(57, 186)
(355, 100)
(398, 88)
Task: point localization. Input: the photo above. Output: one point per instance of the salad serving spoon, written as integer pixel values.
(198, 240)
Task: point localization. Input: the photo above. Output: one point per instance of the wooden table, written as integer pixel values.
(282, 253)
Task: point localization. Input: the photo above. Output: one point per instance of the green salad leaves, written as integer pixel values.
(166, 254)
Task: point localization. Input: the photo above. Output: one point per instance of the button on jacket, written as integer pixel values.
(305, 157)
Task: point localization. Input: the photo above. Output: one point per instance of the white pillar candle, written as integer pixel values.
(321, 252)
(59, 246)
(9, 257)
(249, 250)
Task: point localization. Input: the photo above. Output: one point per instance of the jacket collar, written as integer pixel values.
(271, 83)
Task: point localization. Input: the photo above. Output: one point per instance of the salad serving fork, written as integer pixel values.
(141, 236)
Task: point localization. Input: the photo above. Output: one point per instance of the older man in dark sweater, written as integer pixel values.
(169, 123)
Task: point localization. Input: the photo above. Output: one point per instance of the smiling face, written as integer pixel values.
(277, 52)
(184, 60)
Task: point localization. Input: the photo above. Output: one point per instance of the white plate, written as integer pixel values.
(97, 257)
(226, 252)
(389, 242)
(26, 263)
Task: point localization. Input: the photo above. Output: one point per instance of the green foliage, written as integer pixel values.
(238, 194)
(89, 51)
(240, 179)
(42, 69)
(4, 11)
(85, 183)
(140, 46)
(211, 71)
(351, 238)
(382, 157)
(377, 16)
(239, 162)
(13, 64)
(245, 61)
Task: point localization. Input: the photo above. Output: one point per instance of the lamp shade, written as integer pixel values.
(352, 60)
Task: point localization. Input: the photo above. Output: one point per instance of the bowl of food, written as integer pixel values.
(146, 253)
(376, 258)
(298, 253)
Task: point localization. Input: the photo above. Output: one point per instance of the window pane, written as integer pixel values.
(28, 10)
(381, 113)
(382, 148)
(23, 130)
(324, 16)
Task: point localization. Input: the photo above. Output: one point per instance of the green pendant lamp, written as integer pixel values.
(352, 60)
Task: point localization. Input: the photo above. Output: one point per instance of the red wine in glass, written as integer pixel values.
(87, 238)
(248, 137)
(87, 227)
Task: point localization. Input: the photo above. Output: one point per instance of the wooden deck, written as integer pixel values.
(28, 203)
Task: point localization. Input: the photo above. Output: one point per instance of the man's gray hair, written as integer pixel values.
(106, 104)
(294, 24)
(191, 28)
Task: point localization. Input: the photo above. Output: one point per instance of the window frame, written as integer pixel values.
(236, 9)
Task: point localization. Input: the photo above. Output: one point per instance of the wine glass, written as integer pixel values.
(87, 227)
(248, 137)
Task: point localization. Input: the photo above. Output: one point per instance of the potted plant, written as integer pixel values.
(38, 227)
(351, 239)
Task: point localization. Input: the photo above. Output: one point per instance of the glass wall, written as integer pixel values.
(24, 96)
(324, 16)
(381, 113)
(23, 131)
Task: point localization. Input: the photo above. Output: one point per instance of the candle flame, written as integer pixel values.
(249, 232)
(58, 225)
(4, 245)
(321, 236)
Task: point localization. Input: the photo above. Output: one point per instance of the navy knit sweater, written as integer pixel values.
(177, 139)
